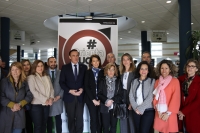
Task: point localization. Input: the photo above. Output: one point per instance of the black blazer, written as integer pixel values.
(90, 86)
(102, 93)
(67, 81)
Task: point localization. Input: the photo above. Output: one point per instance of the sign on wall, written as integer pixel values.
(97, 36)
(159, 37)
(17, 35)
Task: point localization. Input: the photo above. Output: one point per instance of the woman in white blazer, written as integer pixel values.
(43, 95)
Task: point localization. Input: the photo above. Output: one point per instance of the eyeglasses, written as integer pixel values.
(188, 66)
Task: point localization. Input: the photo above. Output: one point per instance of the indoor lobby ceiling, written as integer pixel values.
(29, 16)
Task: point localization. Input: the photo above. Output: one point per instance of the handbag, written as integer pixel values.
(120, 111)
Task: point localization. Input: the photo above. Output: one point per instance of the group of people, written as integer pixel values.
(154, 97)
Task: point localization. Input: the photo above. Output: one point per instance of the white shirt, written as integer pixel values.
(125, 80)
(73, 67)
(139, 94)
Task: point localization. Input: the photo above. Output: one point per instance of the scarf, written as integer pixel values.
(160, 93)
(96, 72)
(186, 85)
(110, 82)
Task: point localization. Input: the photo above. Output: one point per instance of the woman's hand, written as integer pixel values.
(180, 115)
(164, 116)
(50, 101)
(109, 103)
(137, 112)
(96, 103)
(129, 107)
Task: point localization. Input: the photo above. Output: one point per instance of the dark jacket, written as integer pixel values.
(9, 119)
(102, 93)
(67, 81)
(90, 86)
(4, 73)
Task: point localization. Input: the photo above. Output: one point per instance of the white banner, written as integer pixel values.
(97, 36)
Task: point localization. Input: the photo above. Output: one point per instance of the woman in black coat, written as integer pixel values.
(91, 97)
(109, 92)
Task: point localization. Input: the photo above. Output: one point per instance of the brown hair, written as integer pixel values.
(22, 76)
(122, 67)
(94, 56)
(26, 60)
(172, 67)
(108, 66)
(195, 62)
(34, 66)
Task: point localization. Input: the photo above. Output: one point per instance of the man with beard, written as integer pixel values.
(57, 107)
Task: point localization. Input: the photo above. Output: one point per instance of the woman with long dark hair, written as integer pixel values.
(43, 95)
(91, 97)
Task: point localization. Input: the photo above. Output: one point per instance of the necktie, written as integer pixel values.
(75, 72)
(52, 76)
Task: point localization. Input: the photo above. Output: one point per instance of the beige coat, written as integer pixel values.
(39, 91)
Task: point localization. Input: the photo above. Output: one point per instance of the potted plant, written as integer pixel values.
(194, 49)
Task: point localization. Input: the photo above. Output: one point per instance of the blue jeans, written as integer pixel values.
(39, 115)
(16, 130)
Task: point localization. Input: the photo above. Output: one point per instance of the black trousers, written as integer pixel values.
(39, 115)
(58, 124)
(109, 122)
(74, 112)
(95, 119)
(29, 124)
(143, 122)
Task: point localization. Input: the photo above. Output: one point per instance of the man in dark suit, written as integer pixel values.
(57, 107)
(72, 82)
(3, 73)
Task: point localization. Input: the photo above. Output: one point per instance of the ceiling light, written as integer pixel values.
(23, 44)
(88, 17)
(120, 38)
(192, 23)
(89, 0)
(167, 33)
(11, 47)
(169, 1)
(38, 41)
(129, 31)
(7, 0)
(142, 21)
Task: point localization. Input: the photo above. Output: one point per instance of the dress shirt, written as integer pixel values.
(73, 67)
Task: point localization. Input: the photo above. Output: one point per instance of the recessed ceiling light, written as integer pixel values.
(11, 47)
(192, 23)
(167, 33)
(120, 38)
(89, 0)
(169, 1)
(129, 31)
(7, 0)
(38, 41)
(23, 44)
(142, 21)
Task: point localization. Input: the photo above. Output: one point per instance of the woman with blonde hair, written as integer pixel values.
(43, 95)
(14, 95)
(190, 97)
(109, 93)
(127, 72)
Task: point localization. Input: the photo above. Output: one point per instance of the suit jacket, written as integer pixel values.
(190, 107)
(57, 107)
(90, 86)
(38, 89)
(67, 81)
(131, 77)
